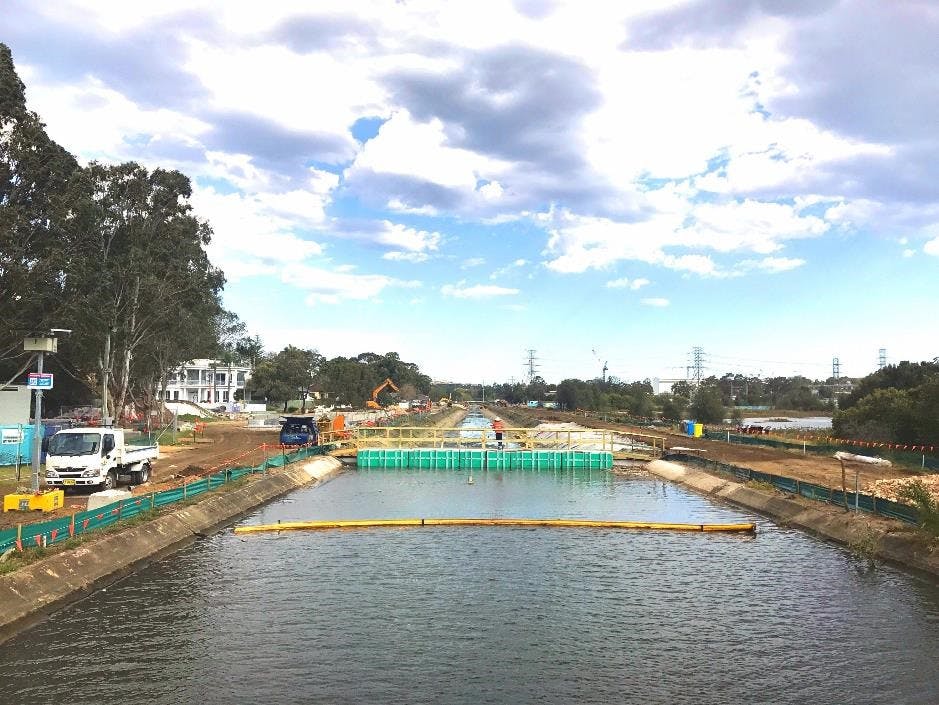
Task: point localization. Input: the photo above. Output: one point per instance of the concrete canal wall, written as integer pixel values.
(33, 592)
(881, 538)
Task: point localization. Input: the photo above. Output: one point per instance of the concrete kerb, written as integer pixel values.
(848, 529)
(29, 595)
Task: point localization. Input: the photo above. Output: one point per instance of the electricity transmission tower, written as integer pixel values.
(882, 359)
(697, 365)
(532, 367)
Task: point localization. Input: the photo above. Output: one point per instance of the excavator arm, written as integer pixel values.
(373, 402)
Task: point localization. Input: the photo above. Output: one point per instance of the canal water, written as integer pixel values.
(492, 614)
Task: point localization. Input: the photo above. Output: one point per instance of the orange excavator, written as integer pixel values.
(373, 402)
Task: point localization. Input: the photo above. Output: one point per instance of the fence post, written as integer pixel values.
(19, 537)
(152, 501)
(120, 509)
(71, 526)
(184, 490)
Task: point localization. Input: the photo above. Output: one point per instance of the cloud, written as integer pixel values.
(472, 262)
(253, 232)
(710, 23)
(146, 64)
(932, 247)
(626, 283)
(332, 287)
(478, 291)
(399, 256)
(770, 264)
(502, 271)
(272, 145)
(314, 33)
(406, 238)
(657, 302)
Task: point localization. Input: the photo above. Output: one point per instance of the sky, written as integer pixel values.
(465, 182)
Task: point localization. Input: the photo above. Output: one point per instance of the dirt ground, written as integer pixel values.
(223, 444)
(810, 468)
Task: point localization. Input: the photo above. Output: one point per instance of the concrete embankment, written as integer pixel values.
(877, 537)
(31, 593)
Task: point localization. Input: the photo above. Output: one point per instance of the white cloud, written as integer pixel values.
(405, 147)
(780, 264)
(627, 283)
(332, 287)
(478, 291)
(399, 256)
(658, 302)
(251, 231)
(472, 262)
(908, 252)
(405, 238)
(502, 271)
(932, 247)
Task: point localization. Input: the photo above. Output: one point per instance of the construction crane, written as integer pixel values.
(373, 402)
(605, 368)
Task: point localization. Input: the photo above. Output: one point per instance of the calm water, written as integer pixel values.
(492, 615)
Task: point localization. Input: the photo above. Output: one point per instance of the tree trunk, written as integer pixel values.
(129, 343)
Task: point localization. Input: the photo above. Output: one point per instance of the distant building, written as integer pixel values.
(663, 386)
(206, 382)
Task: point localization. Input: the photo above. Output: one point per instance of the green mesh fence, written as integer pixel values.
(48, 533)
(863, 502)
(904, 457)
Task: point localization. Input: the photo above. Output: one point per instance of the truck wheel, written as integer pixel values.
(142, 475)
(110, 481)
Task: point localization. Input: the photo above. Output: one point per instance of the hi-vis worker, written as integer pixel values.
(498, 427)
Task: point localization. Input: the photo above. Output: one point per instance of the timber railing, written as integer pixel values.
(620, 443)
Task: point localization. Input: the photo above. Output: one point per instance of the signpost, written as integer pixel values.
(39, 380)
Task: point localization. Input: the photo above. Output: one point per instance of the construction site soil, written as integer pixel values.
(810, 468)
(220, 445)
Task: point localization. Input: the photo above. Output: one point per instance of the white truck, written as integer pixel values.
(96, 457)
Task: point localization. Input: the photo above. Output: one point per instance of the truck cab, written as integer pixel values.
(96, 457)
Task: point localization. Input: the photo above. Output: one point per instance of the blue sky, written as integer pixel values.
(461, 182)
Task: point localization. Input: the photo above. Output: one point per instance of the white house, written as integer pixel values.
(207, 382)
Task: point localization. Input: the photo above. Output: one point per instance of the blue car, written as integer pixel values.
(299, 431)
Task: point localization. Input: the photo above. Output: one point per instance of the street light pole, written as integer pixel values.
(37, 429)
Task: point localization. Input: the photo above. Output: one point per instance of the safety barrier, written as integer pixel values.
(830, 495)
(477, 459)
(891, 451)
(561, 523)
(47, 533)
(620, 443)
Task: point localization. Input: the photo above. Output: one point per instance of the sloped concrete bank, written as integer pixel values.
(899, 545)
(30, 594)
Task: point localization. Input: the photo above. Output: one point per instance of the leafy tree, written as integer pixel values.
(138, 259)
(905, 375)
(673, 406)
(34, 172)
(706, 406)
(112, 252)
(287, 375)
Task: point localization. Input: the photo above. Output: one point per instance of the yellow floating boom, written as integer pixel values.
(569, 523)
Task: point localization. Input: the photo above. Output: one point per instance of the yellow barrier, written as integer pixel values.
(47, 501)
(568, 523)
